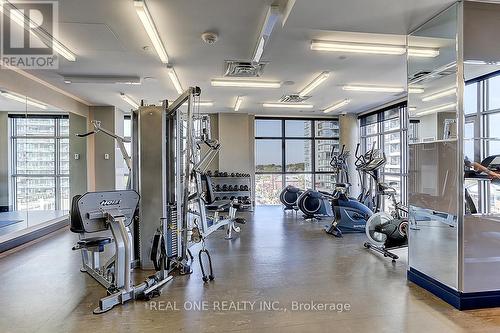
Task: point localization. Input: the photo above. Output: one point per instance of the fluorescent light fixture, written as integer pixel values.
(423, 52)
(201, 103)
(437, 109)
(337, 106)
(98, 79)
(246, 83)
(373, 89)
(314, 83)
(175, 80)
(272, 16)
(288, 105)
(34, 29)
(412, 108)
(23, 99)
(148, 23)
(237, 105)
(370, 48)
(416, 90)
(439, 94)
(334, 46)
(129, 101)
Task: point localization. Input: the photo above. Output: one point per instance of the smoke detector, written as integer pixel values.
(209, 37)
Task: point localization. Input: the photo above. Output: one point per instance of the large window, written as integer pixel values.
(387, 130)
(40, 162)
(482, 115)
(293, 152)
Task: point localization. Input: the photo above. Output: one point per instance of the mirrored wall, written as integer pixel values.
(35, 163)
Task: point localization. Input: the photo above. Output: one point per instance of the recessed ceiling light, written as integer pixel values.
(448, 106)
(371, 48)
(237, 105)
(23, 99)
(439, 94)
(373, 89)
(148, 23)
(337, 106)
(314, 83)
(288, 106)
(246, 83)
(175, 80)
(130, 101)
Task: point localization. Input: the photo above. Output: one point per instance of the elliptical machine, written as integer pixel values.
(370, 164)
(385, 231)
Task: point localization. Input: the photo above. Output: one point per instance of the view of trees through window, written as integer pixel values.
(293, 152)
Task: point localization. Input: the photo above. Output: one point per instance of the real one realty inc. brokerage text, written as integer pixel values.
(268, 305)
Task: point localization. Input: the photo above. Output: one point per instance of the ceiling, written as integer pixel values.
(109, 39)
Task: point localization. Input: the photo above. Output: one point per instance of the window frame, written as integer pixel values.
(313, 138)
(57, 138)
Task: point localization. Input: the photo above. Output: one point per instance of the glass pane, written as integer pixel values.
(268, 156)
(494, 93)
(127, 127)
(64, 193)
(298, 128)
(392, 113)
(325, 182)
(494, 133)
(64, 156)
(302, 181)
(472, 187)
(323, 151)
(64, 127)
(268, 189)
(392, 149)
(370, 142)
(35, 193)
(35, 156)
(468, 141)
(369, 129)
(36, 127)
(391, 125)
(393, 181)
(298, 155)
(470, 98)
(327, 128)
(268, 128)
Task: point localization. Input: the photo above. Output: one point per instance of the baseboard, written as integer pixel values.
(461, 301)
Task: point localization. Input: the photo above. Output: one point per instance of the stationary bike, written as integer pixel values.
(350, 214)
(289, 196)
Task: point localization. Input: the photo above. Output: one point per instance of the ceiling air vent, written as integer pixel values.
(293, 98)
(243, 69)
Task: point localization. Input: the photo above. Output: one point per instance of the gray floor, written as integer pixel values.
(275, 259)
(28, 219)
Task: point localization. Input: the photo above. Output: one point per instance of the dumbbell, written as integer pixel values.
(230, 188)
(216, 173)
(217, 198)
(232, 198)
(224, 198)
(224, 187)
(217, 188)
(232, 174)
(224, 174)
(209, 173)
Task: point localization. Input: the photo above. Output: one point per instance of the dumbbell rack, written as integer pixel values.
(233, 180)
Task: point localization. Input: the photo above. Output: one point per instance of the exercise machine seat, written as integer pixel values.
(95, 242)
